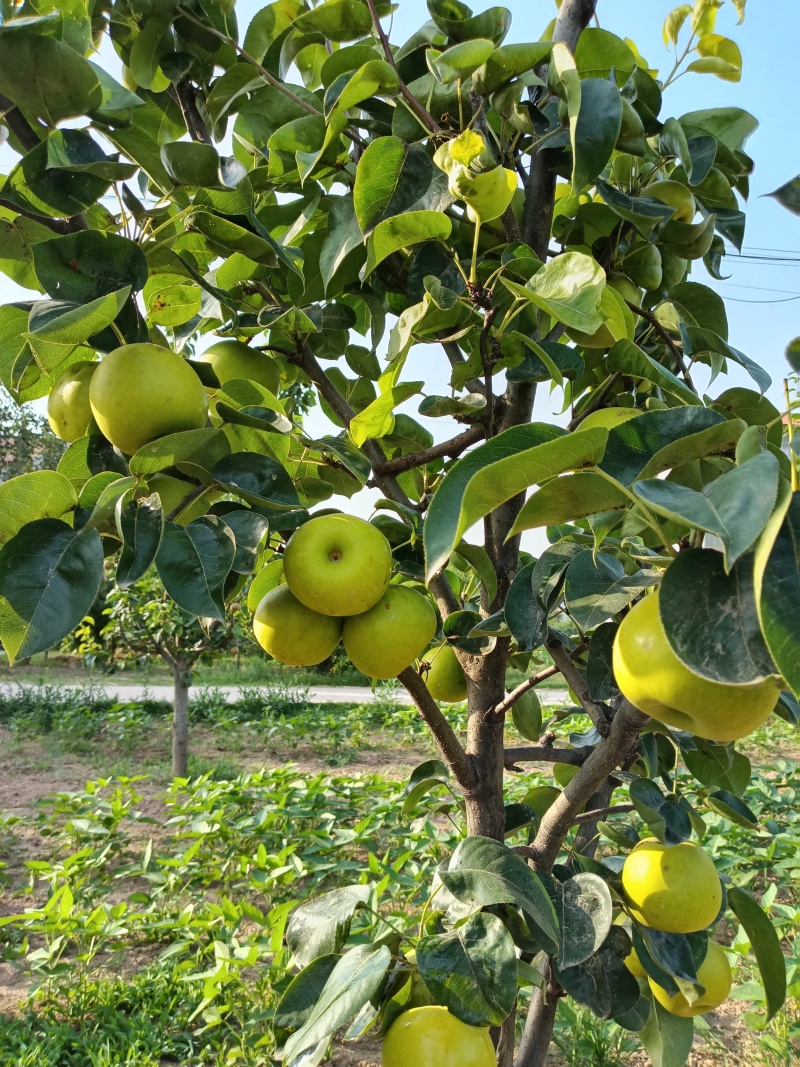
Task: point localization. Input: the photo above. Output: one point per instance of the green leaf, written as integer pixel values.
(603, 982)
(645, 214)
(568, 288)
(597, 586)
(525, 616)
(663, 815)
(427, 776)
(571, 497)
(457, 21)
(788, 195)
(140, 524)
(698, 305)
(249, 529)
(706, 341)
(765, 944)
(719, 439)
(321, 925)
(193, 563)
(586, 917)
(472, 970)
(257, 479)
(45, 77)
(87, 265)
(149, 45)
(193, 163)
(268, 578)
(353, 982)
(461, 60)
(228, 237)
(596, 131)
(38, 495)
(599, 53)
(49, 577)
(526, 713)
(667, 1037)
(478, 558)
(629, 359)
(482, 872)
(632, 446)
(779, 596)
(171, 299)
(508, 62)
(731, 807)
(390, 177)
(731, 126)
(402, 231)
(735, 506)
(303, 992)
(75, 151)
(496, 471)
(54, 337)
(710, 618)
(374, 78)
(268, 24)
(198, 448)
(338, 20)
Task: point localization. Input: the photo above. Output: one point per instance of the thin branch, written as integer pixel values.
(596, 401)
(190, 498)
(576, 757)
(425, 117)
(505, 705)
(452, 448)
(487, 362)
(265, 74)
(598, 813)
(605, 758)
(449, 744)
(185, 94)
(577, 683)
(29, 136)
(663, 333)
(59, 226)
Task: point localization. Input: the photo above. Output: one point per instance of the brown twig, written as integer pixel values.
(663, 333)
(452, 448)
(59, 226)
(449, 744)
(576, 757)
(190, 498)
(185, 95)
(596, 401)
(28, 136)
(598, 813)
(505, 705)
(577, 683)
(425, 117)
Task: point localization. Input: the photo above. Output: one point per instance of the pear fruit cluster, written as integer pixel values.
(676, 889)
(338, 570)
(650, 675)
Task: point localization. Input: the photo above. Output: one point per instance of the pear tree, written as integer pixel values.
(426, 236)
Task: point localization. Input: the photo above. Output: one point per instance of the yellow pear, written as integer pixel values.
(292, 633)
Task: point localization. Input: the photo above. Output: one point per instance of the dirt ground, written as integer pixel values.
(33, 769)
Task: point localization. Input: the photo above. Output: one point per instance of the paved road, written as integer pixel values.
(317, 694)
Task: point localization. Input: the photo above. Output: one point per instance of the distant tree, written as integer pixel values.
(26, 441)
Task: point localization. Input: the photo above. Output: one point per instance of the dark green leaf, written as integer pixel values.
(596, 131)
(525, 616)
(586, 914)
(196, 448)
(49, 577)
(303, 992)
(732, 808)
(780, 597)
(788, 195)
(711, 620)
(89, 264)
(765, 944)
(37, 495)
(471, 970)
(667, 1037)
(632, 445)
(598, 587)
(354, 980)
(193, 563)
(735, 507)
(321, 925)
(257, 479)
(599, 672)
(45, 77)
(140, 524)
(483, 872)
(603, 982)
(248, 529)
(570, 497)
(666, 818)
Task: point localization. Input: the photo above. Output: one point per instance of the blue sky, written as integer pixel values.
(763, 291)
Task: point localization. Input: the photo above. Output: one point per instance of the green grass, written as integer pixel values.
(189, 902)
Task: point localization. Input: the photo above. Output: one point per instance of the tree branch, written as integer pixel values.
(663, 333)
(425, 117)
(449, 744)
(604, 759)
(596, 401)
(598, 813)
(504, 706)
(185, 95)
(190, 498)
(28, 136)
(598, 713)
(576, 757)
(59, 226)
(452, 448)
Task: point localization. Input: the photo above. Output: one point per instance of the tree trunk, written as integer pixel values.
(538, 1032)
(180, 720)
